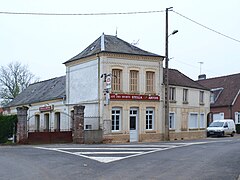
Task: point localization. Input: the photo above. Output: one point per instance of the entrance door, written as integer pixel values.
(133, 124)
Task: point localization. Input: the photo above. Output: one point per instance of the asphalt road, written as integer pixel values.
(210, 159)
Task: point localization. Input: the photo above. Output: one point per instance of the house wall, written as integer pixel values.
(57, 106)
(141, 64)
(182, 112)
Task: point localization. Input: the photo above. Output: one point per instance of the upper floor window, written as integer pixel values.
(185, 95)
(116, 80)
(201, 97)
(150, 81)
(172, 94)
(133, 81)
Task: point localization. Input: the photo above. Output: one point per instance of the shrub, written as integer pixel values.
(238, 128)
(7, 127)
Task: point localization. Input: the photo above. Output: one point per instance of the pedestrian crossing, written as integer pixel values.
(112, 153)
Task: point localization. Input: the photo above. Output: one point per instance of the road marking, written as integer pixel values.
(119, 152)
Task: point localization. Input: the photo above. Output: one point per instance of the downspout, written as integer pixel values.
(99, 76)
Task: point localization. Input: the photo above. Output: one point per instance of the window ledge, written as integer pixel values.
(172, 101)
(201, 104)
(172, 130)
(117, 132)
(193, 129)
(149, 131)
(185, 102)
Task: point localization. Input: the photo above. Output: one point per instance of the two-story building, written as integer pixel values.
(188, 108)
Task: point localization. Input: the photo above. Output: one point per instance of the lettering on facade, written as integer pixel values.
(46, 108)
(134, 97)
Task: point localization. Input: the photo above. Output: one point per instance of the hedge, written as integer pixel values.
(238, 128)
(7, 127)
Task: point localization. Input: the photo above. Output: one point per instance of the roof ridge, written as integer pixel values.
(224, 76)
(48, 80)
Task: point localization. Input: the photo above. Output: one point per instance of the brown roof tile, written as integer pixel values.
(230, 86)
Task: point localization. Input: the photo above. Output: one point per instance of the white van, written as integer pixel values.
(221, 128)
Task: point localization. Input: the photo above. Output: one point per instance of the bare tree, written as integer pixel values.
(14, 78)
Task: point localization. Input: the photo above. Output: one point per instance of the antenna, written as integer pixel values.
(201, 63)
(135, 43)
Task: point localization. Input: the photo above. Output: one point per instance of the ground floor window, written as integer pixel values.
(171, 120)
(237, 117)
(46, 122)
(57, 121)
(116, 119)
(193, 120)
(202, 120)
(150, 118)
(37, 122)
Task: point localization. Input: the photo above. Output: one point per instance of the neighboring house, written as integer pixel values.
(45, 101)
(225, 96)
(188, 107)
(122, 89)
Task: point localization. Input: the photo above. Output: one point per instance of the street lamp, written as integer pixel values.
(166, 134)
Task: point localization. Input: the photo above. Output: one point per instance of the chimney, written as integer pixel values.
(202, 77)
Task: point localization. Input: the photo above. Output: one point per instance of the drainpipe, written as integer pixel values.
(99, 76)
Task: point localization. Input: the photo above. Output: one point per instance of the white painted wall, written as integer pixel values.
(82, 83)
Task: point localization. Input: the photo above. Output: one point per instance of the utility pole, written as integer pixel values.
(166, 134)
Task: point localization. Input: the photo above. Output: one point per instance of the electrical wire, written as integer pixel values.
(80, 14)
(206, 27)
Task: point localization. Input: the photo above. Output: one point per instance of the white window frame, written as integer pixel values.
(172, 94)
(172, 122)
(191, 123)
(114, 127)
(185, 95)
(201, 97)
(237, 117)
(202, 120)
(148, 114)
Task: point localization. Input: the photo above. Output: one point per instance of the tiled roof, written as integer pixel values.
(230, 86)
(176, 78)
(111, 44)
(41, 91)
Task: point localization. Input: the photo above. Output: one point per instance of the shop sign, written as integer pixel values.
(134, 97)
(46, 108)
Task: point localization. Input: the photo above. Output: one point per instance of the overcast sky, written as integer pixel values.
(45, 42)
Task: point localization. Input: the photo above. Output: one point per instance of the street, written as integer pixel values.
(211, 158)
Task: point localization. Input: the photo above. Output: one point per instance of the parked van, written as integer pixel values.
(221, 128)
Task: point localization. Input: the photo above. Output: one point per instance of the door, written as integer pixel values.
(133, 125)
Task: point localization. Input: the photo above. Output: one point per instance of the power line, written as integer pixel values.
(207, 27)
(80, 14)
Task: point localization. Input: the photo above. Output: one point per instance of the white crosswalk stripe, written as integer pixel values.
(113, 153)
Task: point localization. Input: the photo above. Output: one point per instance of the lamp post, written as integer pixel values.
(166, 134)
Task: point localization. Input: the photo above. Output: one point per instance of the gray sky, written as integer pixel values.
(45, 42)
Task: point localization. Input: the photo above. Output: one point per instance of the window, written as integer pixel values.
(172, 94)
(150, 81)
(46, 122)
(57, 121)
(185, 95)
(202, 120)
(116, 118)
(171, 120)
(37, 122)
(237, 117)
(116, 80)
(201, 97)
(149, 118)
(133, 81)
(193, 121)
